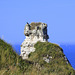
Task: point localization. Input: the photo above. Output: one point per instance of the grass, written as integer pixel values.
(33, 25)
(12, 64)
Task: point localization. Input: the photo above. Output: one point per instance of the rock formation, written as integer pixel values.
(34, 32)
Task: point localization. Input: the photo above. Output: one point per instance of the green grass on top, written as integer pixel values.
(57, 65)
(12, 64)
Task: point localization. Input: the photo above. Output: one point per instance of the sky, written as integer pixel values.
(58, 14)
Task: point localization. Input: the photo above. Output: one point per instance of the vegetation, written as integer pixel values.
(12, 64)
(33, 24)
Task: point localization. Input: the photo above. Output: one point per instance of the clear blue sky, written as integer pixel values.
(58, 14)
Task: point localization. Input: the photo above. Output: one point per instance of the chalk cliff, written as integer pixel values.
(34, 32)
(47, 59)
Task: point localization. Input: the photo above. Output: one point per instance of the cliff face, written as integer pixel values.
(34, 32)
(41, 57)
(47, 59)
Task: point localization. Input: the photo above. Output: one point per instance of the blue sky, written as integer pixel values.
(58, 14)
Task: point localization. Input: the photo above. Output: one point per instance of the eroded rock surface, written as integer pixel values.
(34, 32)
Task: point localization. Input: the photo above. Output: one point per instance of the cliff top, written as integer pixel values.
(36, 24)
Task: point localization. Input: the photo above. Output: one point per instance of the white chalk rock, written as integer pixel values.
(34, 32)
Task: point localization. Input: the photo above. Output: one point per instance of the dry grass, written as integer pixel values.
(33, 24)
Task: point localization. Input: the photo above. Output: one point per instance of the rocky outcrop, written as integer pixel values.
(34, 32)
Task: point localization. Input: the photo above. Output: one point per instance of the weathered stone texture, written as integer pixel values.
(34, 32)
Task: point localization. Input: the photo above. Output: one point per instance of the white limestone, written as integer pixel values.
(34, 32)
